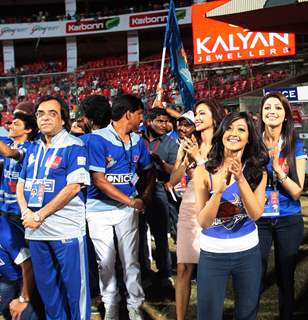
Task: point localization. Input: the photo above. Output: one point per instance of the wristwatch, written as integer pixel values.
(21, 299)
(36, 217)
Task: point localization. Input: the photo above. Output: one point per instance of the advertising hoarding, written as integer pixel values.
(216, 41)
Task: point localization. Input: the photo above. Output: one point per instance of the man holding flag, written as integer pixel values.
(178, 59)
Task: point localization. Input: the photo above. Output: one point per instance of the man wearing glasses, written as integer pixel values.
(51, 199)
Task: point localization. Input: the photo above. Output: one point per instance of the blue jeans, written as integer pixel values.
(10, 290)
(287, 234)
(214, 270)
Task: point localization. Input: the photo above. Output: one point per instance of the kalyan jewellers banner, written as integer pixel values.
(216, 41)
(126, 22)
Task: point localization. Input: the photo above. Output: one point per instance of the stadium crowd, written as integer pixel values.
(50, 13)
(78, 201)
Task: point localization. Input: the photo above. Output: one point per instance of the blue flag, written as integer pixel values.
(178, 59)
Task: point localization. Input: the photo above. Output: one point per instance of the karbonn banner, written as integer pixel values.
(216, 41)
(151, 19)
(125, 22)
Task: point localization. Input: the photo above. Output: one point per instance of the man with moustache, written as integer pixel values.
(51, 199)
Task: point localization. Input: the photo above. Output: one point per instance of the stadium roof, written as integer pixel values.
(265, 15)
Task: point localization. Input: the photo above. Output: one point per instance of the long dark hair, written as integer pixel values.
(217, 111)
(288, 132)
(254, 156)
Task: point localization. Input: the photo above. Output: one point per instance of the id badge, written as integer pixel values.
(37, 194)
(271, 207)
(134, 179)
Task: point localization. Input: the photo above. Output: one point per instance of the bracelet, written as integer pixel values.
(132, 203)
(283, 179)
(21, 299)
(25, 211)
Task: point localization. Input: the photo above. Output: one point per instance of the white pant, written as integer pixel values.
(125, 224)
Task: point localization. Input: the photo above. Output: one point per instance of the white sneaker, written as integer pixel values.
(111, 312)
(135, 314)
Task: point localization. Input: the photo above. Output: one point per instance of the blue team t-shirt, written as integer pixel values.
(66, 158)
(118, 161)
(9, 179)
(13, 250)
(287, 205)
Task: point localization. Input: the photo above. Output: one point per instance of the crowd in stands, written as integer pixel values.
(109, 76)
(96, 13)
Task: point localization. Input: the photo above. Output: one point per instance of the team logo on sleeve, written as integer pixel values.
(81, 161)
(110, 161)
(136, 157)
(55, 163)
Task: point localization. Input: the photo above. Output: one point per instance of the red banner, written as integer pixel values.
(216, 41)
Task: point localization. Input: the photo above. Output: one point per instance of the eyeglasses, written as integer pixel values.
(49, 113)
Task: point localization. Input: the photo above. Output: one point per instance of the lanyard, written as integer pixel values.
(48, 163)
(130, 161)
(155, 146)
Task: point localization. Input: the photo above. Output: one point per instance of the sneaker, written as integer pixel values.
(135, 314)
(112, 312)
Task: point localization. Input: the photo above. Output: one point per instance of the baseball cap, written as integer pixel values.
(189, 116)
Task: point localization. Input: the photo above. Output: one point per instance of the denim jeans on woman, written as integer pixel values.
(214, 270)
(287, 234)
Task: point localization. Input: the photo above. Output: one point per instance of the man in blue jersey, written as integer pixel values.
(115, 154)
(96, 111)
(16, 276)
(51, 199)
(22, 130)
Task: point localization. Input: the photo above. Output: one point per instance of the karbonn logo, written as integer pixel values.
(85, 26)
(148, 20)
(119, 178)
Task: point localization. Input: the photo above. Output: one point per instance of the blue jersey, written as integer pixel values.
(5, 140)
(287, 206)
(63, 162)
(13, 250)
(118, 161)
(9, 179)
(232, 230)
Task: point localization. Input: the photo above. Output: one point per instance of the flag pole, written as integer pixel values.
(162, 65)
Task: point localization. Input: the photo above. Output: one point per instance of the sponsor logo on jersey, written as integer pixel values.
(124, 178)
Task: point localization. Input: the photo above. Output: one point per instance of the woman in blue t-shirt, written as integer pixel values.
(281, 222)
(230, 194)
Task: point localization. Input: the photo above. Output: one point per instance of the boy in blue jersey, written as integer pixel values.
(49, 193)
(22, 130)
(16, 277)
(115, 153)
